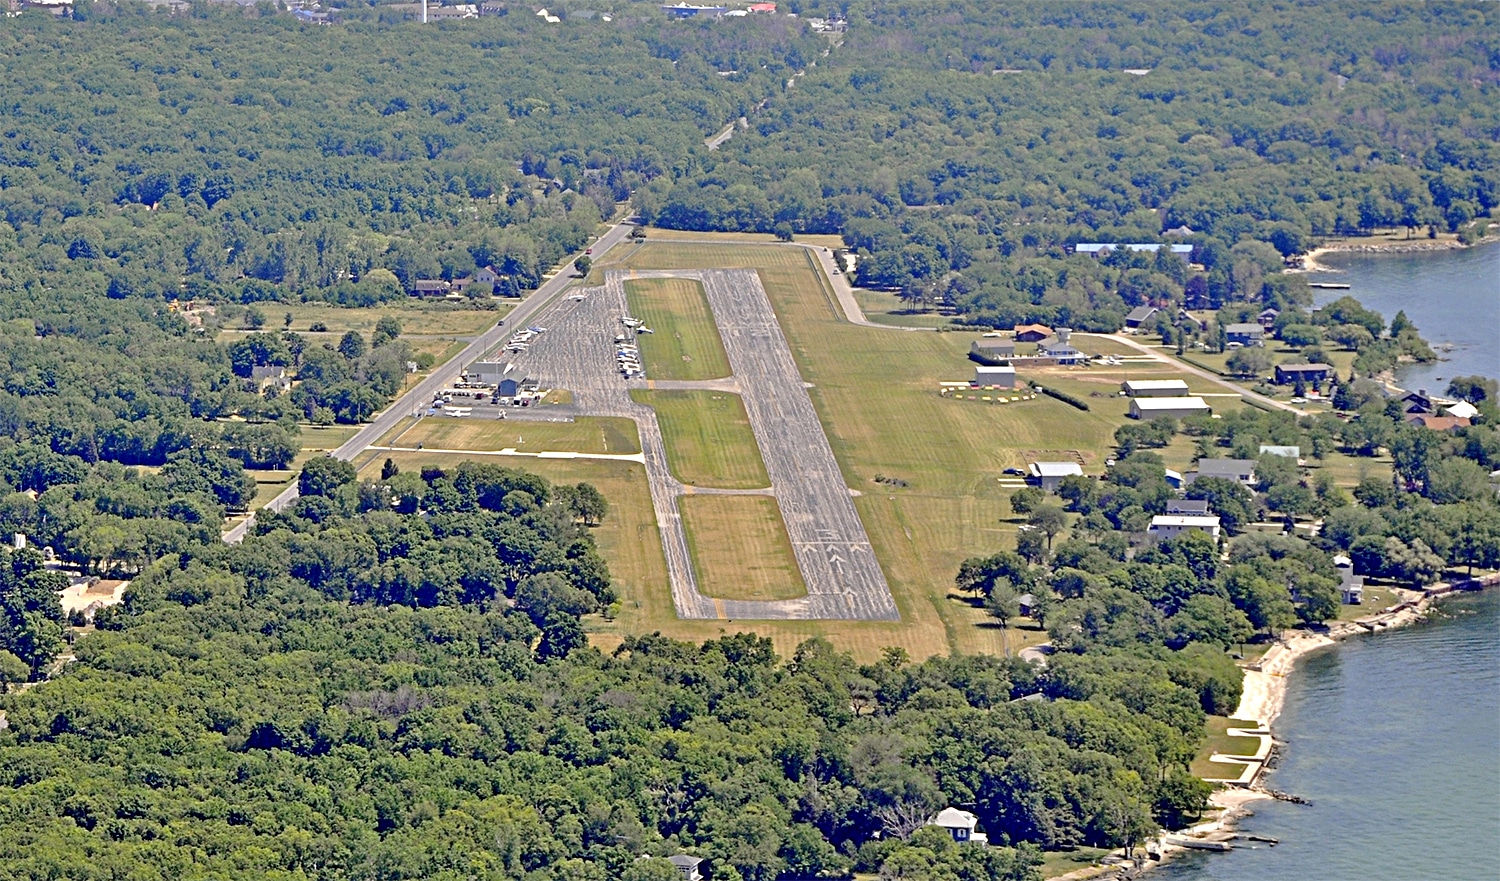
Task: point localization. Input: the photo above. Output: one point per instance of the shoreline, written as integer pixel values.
(1311, 264)
(1262, 697)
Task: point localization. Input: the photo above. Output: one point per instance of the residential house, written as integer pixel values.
(992, 349)
(1154, 388)
(1186, 321)
(430, 287)
(763, 8)
(1003, 376)
(1173, 525)
(1267, 318)
(270, 376)
(1174, 408)
(1140, 315)
(1060, 348)
(1101, 249)
(688, 866)
(483, 276)
(1309, 374)
(683, 10)
(1026, 605)
(1245, 334)
(1189, 507)
(1436, 423)
(1051, 474)
(1032, 333)
(961, 825)
(1242, 470)
(1418, 402)
(1180, 232)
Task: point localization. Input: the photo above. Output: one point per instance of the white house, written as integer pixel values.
(1175, 408)
(1154, 388)
(1242, 470)
(1051, 474)
(687, 865)
(1173, 525)
(960, 824)
(1002, 376)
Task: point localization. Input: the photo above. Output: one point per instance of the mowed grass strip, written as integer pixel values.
(685, 343)
(1219, 740)
(708, 437)
(586, 434)
(740, 548)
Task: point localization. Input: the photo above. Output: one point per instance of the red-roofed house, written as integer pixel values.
(1437, 423)
(1032, 333)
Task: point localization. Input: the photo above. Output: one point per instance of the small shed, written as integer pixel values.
(1003, 376)
(1026, 605)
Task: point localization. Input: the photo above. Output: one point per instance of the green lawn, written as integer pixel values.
(740, 548)
(885, 308)
(685, 344)
(1218, 740)
(1061, 862)
(708, 438)
(586, 434)
(417, 317)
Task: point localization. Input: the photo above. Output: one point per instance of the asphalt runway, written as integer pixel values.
(844, 580)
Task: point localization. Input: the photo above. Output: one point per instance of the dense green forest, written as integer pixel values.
(374, 690)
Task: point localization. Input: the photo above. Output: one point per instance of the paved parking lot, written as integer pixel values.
(833, 552)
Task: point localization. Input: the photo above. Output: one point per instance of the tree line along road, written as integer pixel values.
(443, 375)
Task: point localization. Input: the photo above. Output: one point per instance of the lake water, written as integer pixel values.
(1453, 297)
(1395, 738)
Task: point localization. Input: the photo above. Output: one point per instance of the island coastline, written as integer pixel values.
(1262, 697)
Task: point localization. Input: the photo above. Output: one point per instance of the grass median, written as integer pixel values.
(685, 342)
(586, 434)
(740, 548)
(708, 438)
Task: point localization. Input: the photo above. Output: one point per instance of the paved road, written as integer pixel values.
(421, 394)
